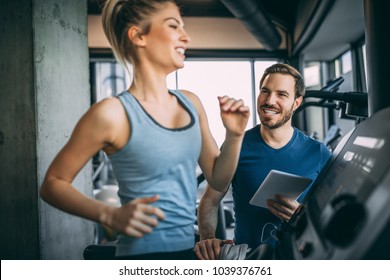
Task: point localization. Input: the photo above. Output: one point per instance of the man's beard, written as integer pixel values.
(279, 123)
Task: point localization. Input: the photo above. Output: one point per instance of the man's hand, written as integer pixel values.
(282, 207)
(210, 249)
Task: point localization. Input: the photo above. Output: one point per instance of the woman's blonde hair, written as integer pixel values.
(118, 16)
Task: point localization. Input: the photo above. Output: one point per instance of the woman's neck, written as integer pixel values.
(147, 86)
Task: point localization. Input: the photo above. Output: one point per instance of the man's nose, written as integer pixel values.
(271, 99)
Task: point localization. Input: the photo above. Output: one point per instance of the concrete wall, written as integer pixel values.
(44, 80)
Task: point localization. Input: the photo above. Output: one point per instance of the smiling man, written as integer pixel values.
(273, 144)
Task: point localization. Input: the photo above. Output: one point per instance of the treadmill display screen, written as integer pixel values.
(356, 171)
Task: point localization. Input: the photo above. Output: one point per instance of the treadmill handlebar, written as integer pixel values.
(333, 85)
(348, 97)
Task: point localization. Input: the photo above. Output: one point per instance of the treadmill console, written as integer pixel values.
(346, 215)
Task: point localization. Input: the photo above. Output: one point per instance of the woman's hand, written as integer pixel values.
(234, 115)
(135, 218)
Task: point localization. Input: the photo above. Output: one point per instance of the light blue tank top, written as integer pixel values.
(159, 160)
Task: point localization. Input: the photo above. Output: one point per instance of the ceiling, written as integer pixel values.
(342, 21)
(215, 8)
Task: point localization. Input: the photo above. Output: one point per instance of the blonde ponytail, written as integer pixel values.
(118, 16)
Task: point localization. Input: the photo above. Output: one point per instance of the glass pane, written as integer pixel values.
(337, 68)
(111, 79)
(312, 75)
(346, 60)
(365, 62)
(209, 79)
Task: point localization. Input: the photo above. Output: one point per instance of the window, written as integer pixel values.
(343, 64)
(346, 62)
(110, 79)
(312, 75)
(337, 66)
(209, 79)
(365, 62)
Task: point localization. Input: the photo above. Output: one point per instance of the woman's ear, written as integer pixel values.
(135, 35)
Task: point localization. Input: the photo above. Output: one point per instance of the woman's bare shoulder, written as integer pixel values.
(108, 109)
(108, 103)
(104, 118)
(193, 98)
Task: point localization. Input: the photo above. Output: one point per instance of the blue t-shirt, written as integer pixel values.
(302, 156)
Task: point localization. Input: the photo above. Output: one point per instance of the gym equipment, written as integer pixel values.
(345, 215)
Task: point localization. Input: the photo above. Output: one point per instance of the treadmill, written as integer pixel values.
(346, 214)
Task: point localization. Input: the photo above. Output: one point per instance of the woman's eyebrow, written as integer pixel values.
(175, 19)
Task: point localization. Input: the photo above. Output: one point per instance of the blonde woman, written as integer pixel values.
(154, 137)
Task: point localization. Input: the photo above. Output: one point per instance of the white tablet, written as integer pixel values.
(278, 182)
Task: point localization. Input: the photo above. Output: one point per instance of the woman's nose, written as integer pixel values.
(185, 37)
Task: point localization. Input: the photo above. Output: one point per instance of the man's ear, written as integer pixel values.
(135, 35)
(297, 102)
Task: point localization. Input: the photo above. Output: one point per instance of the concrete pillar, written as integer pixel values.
(378, 55)
(44, 90)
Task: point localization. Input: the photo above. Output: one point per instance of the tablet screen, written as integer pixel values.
(278, 182)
